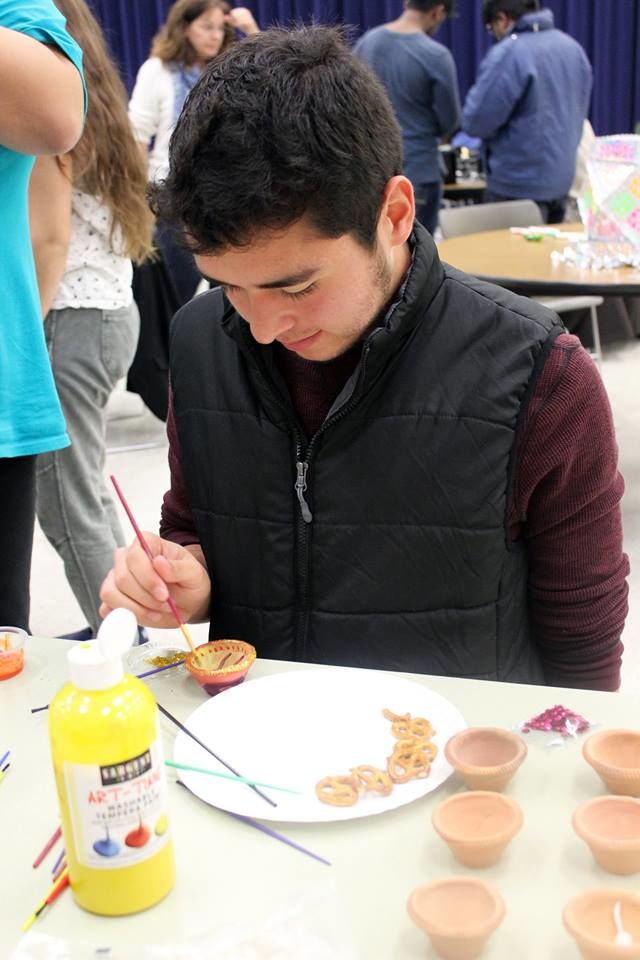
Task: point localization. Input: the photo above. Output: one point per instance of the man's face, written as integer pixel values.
(500, 26)
(314, 295)
(434, 19)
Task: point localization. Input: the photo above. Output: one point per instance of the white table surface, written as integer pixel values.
(227, 871)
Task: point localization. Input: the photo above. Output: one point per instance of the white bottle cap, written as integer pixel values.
(97, 665)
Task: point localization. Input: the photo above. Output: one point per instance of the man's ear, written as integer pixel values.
(398, 210)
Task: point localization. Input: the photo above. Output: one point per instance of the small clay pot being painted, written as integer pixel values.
(477, 825)
(458, 914)
(589, 918)
(615, 756)
(220, 664)
(485, 757)
(610, 826)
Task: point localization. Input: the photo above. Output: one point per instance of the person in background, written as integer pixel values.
(42, 113)
(89, 219)
(376, 460)
(420, 78)
(581, 176)
(528, 106)
(194, 33)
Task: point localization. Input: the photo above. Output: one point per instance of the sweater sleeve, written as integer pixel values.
(446, 98)
(566, 507)
(144, 106)
(176, 519)
(498, 89)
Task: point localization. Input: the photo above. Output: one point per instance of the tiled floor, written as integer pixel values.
(143, 475)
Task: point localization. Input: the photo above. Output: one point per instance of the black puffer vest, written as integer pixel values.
(382, 541)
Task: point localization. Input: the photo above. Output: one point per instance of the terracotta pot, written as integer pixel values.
(220, 664)
(615, 756)
(458, 914)
(485, 757)
(610, 826)
(477, 825)
(589, 918)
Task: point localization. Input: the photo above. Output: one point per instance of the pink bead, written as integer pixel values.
(556, 718)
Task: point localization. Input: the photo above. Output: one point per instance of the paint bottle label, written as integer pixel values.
(118, 811)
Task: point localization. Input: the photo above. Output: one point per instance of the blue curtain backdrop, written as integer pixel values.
(609, 31)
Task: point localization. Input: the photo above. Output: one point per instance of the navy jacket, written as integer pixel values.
(528, 106)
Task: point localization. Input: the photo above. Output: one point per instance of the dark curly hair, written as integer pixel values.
(514, 9)
(285, 124)
(423, 6)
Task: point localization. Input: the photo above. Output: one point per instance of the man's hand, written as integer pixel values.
(242, 19)
(140, 585)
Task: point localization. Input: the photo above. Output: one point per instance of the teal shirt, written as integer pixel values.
(31, 419)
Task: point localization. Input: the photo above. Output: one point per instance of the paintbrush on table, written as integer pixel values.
(231, 769)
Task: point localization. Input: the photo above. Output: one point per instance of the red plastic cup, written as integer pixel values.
(12, 640)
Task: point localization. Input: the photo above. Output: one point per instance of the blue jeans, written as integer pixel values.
(428, 197)
(90, 351)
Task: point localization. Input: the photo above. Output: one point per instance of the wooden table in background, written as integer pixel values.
(525, 266)
(465, 190)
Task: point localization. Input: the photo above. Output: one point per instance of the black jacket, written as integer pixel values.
(406, 563)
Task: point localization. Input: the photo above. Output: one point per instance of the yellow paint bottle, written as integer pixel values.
(110, 775)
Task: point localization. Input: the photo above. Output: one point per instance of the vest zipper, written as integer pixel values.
(303, 463)
(302, 466)
(303, 529)
(301, 486)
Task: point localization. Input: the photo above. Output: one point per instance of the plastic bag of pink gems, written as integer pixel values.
(559, 720)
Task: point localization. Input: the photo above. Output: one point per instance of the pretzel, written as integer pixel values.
(338, 791)
(399, 723)
(421, 728)
(373, 779)
(408, 764)
(409, 745)
(390, 715)
(403, 725)
(411, 759)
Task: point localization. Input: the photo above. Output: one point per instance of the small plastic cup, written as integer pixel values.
(12, 641)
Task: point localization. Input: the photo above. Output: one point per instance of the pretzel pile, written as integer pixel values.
(411, 759)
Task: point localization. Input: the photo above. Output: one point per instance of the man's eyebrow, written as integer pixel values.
(291, 281)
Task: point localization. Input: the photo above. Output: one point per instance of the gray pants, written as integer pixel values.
(90, 351)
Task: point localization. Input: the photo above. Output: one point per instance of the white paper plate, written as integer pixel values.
(293, 729)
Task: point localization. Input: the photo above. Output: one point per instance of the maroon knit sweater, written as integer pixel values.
(565, 503)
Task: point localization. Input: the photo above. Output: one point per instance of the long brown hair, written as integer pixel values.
(107, 162)
(170, 43)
